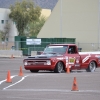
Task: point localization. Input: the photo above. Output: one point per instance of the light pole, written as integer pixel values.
(99, 25)
(60, 18)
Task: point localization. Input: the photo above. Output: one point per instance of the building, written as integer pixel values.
(46, 5)
(5, 20)
(78, 19)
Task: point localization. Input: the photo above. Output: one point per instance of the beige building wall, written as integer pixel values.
(46, 12)
(78, 19)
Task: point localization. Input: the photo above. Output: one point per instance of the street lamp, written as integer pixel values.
(99, 25)
(60, 18)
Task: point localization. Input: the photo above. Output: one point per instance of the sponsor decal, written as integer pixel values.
(71, 60)
(77, 65)
(77, 60)
(86, 58)
(66, 61)
(66, 58)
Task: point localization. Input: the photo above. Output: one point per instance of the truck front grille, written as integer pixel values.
(38, 62)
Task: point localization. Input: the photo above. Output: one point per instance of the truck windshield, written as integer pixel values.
(55, 49)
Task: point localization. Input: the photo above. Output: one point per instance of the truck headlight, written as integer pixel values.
(48, 62)
(25, 63)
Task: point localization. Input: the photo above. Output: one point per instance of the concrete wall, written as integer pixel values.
(11, 53)
(78, 19)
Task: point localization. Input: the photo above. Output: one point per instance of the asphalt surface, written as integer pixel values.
(46, 85)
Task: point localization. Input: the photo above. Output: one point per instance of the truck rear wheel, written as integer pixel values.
(59, 67)
(91, 67)
(34, 71)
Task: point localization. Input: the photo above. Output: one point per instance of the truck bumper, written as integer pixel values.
(39, 67)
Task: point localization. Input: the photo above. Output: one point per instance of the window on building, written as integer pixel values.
(2, 21)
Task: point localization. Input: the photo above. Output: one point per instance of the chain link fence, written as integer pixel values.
(7, 45)
(20, 45)
(89, 46)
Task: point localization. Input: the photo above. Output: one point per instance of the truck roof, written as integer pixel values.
(62, 44)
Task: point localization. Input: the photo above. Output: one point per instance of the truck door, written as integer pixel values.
(74, 57)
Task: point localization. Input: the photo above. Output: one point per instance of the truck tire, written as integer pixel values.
(59, 67)
(91, 67)
(34, 71)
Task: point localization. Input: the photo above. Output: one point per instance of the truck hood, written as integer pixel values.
(46, 56)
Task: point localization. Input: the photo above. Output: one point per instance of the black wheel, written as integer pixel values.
(34, 71)
(59, 67)
(91, 67)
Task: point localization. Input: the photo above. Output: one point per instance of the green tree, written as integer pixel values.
(34, 28)
(4, 34)
(23, 13)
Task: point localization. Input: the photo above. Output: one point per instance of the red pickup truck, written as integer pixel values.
(57, 57)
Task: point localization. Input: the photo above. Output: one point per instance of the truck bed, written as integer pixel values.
(94, 52)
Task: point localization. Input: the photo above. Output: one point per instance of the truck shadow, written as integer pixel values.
(44, 71)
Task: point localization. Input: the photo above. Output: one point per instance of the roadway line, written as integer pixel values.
(15, 83)
(41, 90)
(53, 90)
(6, 79)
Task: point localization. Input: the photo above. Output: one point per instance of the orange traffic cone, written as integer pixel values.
(20, 72)
(8, 78)
(74, 87)
(68, 69)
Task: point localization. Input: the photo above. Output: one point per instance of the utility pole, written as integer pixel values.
(60, 18)
(98, 24)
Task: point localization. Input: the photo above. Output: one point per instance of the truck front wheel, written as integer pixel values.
(91, 67)
(59, 67)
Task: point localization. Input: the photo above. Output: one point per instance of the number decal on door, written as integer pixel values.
(71, 60)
